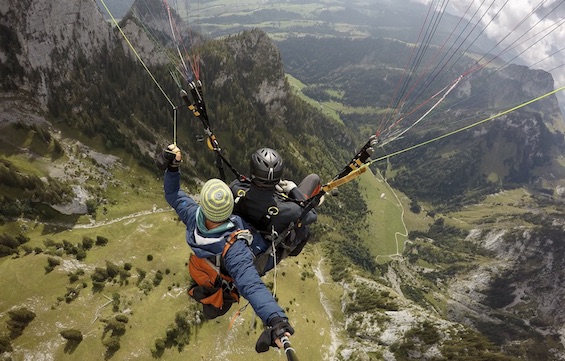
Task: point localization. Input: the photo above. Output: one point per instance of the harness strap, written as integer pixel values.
(217, 261)
(263, 223)
(242, 234)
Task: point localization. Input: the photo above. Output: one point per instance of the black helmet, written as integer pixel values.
(266, 167)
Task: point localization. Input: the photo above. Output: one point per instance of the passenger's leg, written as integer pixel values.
(310, 185)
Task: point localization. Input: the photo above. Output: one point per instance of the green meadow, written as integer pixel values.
(150, 314)
(143, 233)
(388, 219)
(331, 108)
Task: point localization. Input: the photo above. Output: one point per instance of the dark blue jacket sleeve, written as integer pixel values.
(184, 205)
(239, 264)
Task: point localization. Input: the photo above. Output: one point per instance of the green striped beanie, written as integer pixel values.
(216, 200)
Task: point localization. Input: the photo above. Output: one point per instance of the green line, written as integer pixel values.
(358, 171)
(464, 128)
(138, 56)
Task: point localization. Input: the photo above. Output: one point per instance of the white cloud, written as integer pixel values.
(525, 25)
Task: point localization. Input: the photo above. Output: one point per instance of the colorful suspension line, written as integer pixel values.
(466, 127)
(194, 71)
(197, 104)
(434, 77)
(449, 89)
(478, 62)
(198, 108)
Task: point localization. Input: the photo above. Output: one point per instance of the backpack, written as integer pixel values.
(213, 287)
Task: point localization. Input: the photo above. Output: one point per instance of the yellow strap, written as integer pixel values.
(352, 175)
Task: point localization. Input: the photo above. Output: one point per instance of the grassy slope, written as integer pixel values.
(138, 222)
(331, 108)
(500, 207)
(158, 235)
(297, 85)
(389, 218)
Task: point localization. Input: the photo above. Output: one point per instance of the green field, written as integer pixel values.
(388, 219)
(131, 240)
(502, 207)
(140, 226)
(139, 223)
(332, 109)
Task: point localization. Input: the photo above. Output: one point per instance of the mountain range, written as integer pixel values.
(450, 251)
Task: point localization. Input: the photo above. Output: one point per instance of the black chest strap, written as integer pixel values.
(262, 224)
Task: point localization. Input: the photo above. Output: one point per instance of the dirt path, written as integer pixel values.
(95, 224)
(335, 342)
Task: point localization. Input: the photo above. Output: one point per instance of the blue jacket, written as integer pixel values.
(238, 260)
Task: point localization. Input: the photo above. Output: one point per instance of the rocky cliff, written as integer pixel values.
(500, 149)
(42, 40)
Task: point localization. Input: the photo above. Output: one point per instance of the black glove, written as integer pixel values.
(279, 326)
(166, 160)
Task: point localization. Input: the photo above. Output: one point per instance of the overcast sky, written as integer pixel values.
(504, 16)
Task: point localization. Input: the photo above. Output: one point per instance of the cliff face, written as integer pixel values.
(42, 39)
(153, 18)
(257, 53)
(531, 264)
(517, 144)
(517, 296)
(519, 148)
(510, 86)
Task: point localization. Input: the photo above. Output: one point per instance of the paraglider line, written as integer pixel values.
(464, 128)
(138, 56)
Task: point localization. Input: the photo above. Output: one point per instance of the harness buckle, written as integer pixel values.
(246, 236)
(227, 285)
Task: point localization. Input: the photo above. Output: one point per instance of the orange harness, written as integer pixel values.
(214, 289)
